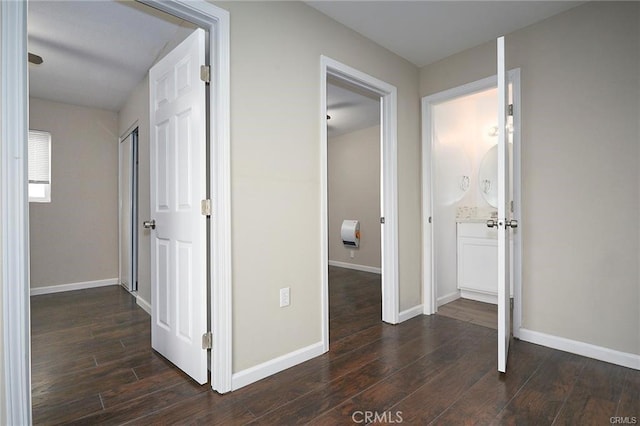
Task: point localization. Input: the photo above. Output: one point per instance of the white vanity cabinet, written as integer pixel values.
(477, 260)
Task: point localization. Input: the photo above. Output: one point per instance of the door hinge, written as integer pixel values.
(510, 109)
(511, 206)
(205, 207)
(382, 220)
(205, 73)
(430, 219)
(207, 340)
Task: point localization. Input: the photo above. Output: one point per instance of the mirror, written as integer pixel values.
(488, 175)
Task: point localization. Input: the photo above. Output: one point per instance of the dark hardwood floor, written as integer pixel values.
(484, 314)
(92, 364)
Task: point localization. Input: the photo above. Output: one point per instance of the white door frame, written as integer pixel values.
(16, 333)
(388, 190)
(14, 198)
(216, 22)
(428, 277)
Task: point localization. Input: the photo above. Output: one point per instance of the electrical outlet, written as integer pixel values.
(284, 297)
(352, 254)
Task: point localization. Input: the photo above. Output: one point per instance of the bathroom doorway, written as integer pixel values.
(460, 197)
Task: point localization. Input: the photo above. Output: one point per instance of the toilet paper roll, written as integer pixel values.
(350, 233)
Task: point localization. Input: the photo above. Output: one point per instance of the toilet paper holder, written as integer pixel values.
(350, 233)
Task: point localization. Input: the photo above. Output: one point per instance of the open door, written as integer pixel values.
(504, 223)
(178, 227)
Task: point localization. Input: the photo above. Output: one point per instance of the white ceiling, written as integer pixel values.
(95, 52)
(424, 32)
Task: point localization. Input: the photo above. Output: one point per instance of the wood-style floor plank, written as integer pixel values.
(93, 364)
(545, 392)
(595, 395)
(484, 314)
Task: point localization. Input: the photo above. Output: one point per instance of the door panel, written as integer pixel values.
(125, 212)
(128, 212)
(504, 215)
(178, 184)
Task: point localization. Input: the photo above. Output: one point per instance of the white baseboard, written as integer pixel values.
(443, 300)
(266, 369)
(35, 291)
(362, 268)
(581, 348)
(143, 304)
(410, 313)
(479, 296)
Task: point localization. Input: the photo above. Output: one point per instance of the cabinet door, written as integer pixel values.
(477, 258)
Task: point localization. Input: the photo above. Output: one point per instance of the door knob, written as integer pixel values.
(492, 223)
(512, 223)
(149, 224)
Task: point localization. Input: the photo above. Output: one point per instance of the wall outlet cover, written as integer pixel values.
(285, 296)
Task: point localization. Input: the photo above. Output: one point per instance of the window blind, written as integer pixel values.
(39, 157)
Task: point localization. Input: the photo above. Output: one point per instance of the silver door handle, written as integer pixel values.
(507, 224)
(149, 224)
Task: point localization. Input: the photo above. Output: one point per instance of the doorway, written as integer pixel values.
(387, 94)
(460, 196)
(354, 181)
(15, 211)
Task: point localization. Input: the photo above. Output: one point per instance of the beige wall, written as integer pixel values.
(74, 238)
(135, 112)
(354, 193)
(275, 138)
(580, 162)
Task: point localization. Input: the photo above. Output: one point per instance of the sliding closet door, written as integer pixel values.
(128, 211)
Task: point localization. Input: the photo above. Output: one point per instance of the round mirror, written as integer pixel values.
(488, 176)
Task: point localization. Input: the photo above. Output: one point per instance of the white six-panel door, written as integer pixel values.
(178, 184)
(504, 215)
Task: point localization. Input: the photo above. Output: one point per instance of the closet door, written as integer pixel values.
(125, 213)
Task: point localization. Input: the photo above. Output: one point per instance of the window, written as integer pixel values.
(39, 166)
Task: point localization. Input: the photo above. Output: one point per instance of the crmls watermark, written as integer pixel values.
(618, 420)
(367, 417)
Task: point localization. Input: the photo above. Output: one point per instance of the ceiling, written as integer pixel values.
(95, 52)
(424, 32)
(405, 27)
